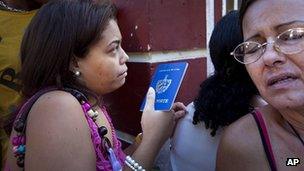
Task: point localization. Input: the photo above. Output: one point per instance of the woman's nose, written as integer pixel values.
(271, 55)
(124, 56)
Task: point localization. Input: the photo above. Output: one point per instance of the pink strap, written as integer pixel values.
(265, 139)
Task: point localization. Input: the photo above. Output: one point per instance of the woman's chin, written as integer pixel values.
(288, 102)
(121, 83)
(114, 87)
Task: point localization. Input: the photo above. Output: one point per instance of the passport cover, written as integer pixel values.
(166, 81)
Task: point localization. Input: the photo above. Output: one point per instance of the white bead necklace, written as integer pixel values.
(2, 4)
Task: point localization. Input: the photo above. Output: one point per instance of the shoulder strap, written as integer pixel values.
(19, 124)
(265, 139)
(20, 121)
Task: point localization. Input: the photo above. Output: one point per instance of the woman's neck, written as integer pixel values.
(95, 102)
(295, 118)
(257, 101)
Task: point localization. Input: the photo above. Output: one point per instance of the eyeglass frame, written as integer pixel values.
(264, 45)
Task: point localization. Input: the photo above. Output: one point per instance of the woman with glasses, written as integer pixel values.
(271, 137)
(223, 98)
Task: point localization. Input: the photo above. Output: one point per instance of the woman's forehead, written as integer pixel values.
(265, 15)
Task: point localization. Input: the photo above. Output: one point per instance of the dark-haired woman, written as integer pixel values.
(270, 137)
(71, 55)
(224, 97)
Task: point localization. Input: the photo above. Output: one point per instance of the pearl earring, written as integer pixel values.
(77, 73)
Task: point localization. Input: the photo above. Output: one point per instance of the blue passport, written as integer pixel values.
(166, 81)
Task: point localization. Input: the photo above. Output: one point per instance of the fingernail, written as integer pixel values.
(150, 91)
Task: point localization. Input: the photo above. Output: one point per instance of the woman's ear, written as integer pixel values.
(74, 67)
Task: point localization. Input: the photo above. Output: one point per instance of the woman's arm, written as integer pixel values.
(57, 135)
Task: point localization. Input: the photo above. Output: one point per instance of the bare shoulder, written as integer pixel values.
(57, 133)
(240, 134)
(57, 97)
(56, 104)
(245, 131)
(240, 146)
(53, 109)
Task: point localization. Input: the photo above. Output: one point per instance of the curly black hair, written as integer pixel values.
(225, 96)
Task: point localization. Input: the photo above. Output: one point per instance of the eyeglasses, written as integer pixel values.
(289, 42)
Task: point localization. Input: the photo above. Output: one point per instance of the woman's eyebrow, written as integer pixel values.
(256, 35)
(277, 27)
(114, 42)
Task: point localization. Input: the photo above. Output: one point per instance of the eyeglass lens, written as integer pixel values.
(288, 42)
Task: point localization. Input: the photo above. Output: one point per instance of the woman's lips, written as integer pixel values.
(283, 80)
(123, 74)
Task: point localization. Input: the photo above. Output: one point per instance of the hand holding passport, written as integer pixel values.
(160, 114)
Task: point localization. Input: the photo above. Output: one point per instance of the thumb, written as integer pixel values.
(150, 100)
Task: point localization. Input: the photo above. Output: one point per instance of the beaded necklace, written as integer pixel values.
(3, 5)
(20, 127)
(102, 131)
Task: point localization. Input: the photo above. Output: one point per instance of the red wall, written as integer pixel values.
(217, 11)
(163, 24)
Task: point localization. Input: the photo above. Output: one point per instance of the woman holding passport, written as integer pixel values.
(71, 56)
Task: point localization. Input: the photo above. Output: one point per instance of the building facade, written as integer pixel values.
(158, 31)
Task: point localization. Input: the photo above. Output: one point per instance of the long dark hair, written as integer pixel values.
(60, 32)
(225, 96)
